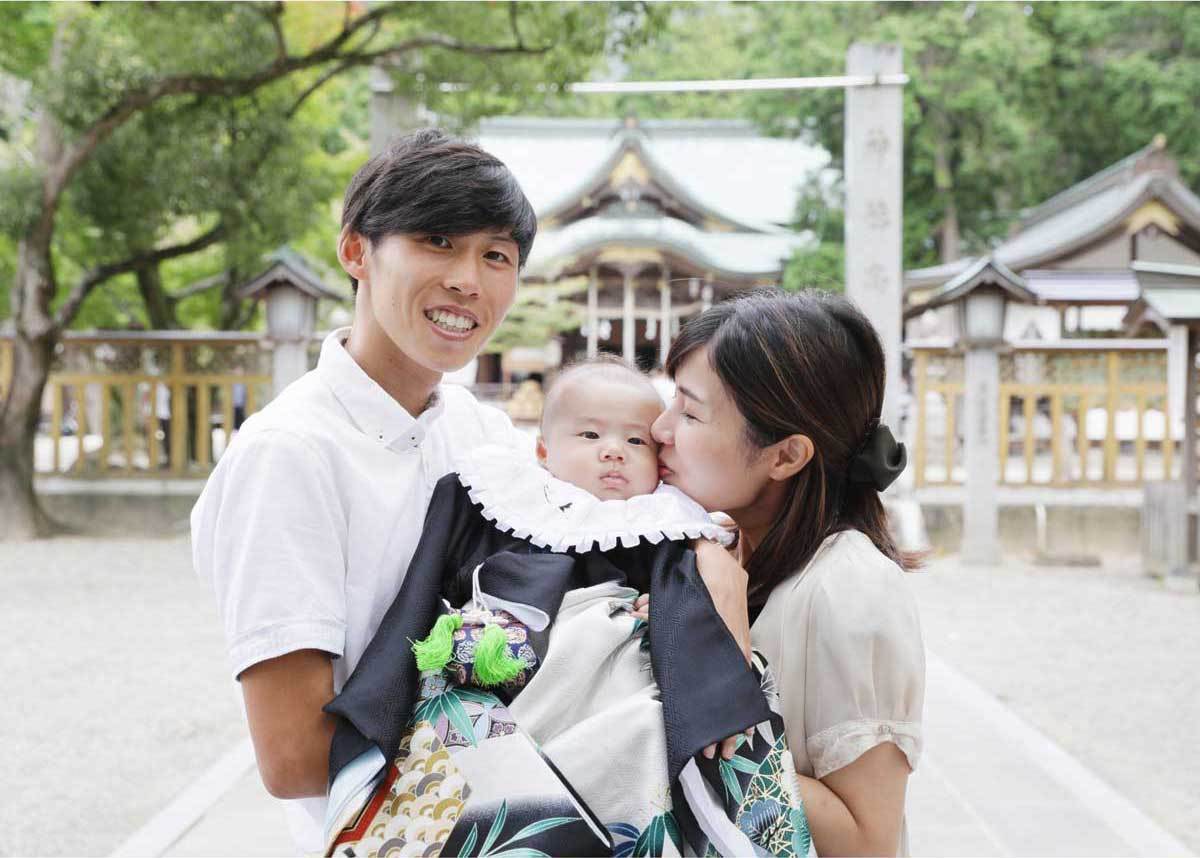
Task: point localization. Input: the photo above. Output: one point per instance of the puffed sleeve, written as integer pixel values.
(269, 538)
(865, 661)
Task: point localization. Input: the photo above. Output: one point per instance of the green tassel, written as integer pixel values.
(435, 650)
(493, 663)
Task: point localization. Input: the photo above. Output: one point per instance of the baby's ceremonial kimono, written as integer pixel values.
(590, 744)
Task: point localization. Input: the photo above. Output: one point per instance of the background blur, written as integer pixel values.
(170, 188)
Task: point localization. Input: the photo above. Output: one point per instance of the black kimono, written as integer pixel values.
(596, 749)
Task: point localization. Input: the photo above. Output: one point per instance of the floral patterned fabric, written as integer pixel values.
(474, 776)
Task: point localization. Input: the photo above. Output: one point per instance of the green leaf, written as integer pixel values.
(458, 716)
(470, 842)
(474, 695)
(672, 827)
(497, 827)
(732, 787)
(537, 828)
(743, 765)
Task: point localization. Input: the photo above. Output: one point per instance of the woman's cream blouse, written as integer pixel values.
(843, 640)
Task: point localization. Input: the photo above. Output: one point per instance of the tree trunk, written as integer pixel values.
(160, 309)
(21, 515)
(944, 181)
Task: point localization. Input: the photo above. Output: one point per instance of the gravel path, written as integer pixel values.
(1104, 661)
(117, 695)
(115, 687)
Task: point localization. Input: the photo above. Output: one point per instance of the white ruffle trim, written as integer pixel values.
(522, 498)
(840, 745)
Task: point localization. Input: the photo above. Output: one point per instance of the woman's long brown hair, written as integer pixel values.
(809, 364)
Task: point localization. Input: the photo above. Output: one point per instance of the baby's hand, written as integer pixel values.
(641, 607)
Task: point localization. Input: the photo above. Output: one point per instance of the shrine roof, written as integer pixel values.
(724, 167)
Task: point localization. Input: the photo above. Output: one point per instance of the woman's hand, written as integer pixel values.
(641, 607)
(726, 581)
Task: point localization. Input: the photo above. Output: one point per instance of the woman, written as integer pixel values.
(775, 421)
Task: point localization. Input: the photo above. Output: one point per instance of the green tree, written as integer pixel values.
(158, 131)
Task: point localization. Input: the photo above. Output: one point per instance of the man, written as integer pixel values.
(309, 521)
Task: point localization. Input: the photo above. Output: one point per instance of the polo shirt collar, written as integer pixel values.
(371, 408)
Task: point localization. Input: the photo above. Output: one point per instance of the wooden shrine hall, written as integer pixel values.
(652, 221)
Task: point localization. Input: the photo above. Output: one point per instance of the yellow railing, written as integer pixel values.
(157, 404)
(1070, 415)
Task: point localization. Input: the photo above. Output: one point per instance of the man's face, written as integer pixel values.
(438, 297)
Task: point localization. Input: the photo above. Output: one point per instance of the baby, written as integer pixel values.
(513, 696)
(595, 430)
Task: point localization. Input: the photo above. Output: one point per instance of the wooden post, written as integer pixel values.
(56, 415)
(920, 369)
(105, 416)
(593, 314)
(179, 412)
(1056, 439)
(664, 338)
(950, 441)
(1111, 403)
(203, 423)
(1082, 441)
(81, 426)
(628, 329)
(1029, 411)
(128, 406)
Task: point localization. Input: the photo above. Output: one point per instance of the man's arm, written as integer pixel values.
(291, 734)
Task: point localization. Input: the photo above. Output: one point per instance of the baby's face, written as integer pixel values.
(599, 437)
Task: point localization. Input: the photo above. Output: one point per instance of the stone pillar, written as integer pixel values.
(1188, 465)
(593, 315)
(291, 316)
(628, 323)
(981, 515)
(1177, 347)
(664, 294)
(1189, 447)
(874, 144)
(392, 114)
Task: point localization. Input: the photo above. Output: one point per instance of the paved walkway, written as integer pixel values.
(988, 785)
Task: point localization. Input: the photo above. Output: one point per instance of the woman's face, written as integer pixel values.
(703, 450)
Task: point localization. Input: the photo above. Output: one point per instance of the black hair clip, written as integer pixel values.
(879, 459)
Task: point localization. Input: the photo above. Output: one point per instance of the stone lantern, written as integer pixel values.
(981, 295)
(1169, 299)
(291, 290)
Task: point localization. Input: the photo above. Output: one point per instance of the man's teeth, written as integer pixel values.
(450, 321)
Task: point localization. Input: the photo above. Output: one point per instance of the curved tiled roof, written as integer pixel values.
(724, 253)
(1074, 226)
(724, 166)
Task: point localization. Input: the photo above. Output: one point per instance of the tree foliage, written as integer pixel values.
(1007, 104)
(261, 166)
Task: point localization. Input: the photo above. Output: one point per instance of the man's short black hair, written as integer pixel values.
(430, 183)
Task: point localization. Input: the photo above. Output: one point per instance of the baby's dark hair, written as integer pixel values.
(605, 364)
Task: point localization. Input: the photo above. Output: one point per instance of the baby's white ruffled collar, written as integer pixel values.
(522, 498)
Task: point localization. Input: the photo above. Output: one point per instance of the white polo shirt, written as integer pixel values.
(308, 523)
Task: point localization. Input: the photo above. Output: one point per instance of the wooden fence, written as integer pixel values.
(1079, 414)
(154, 404)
